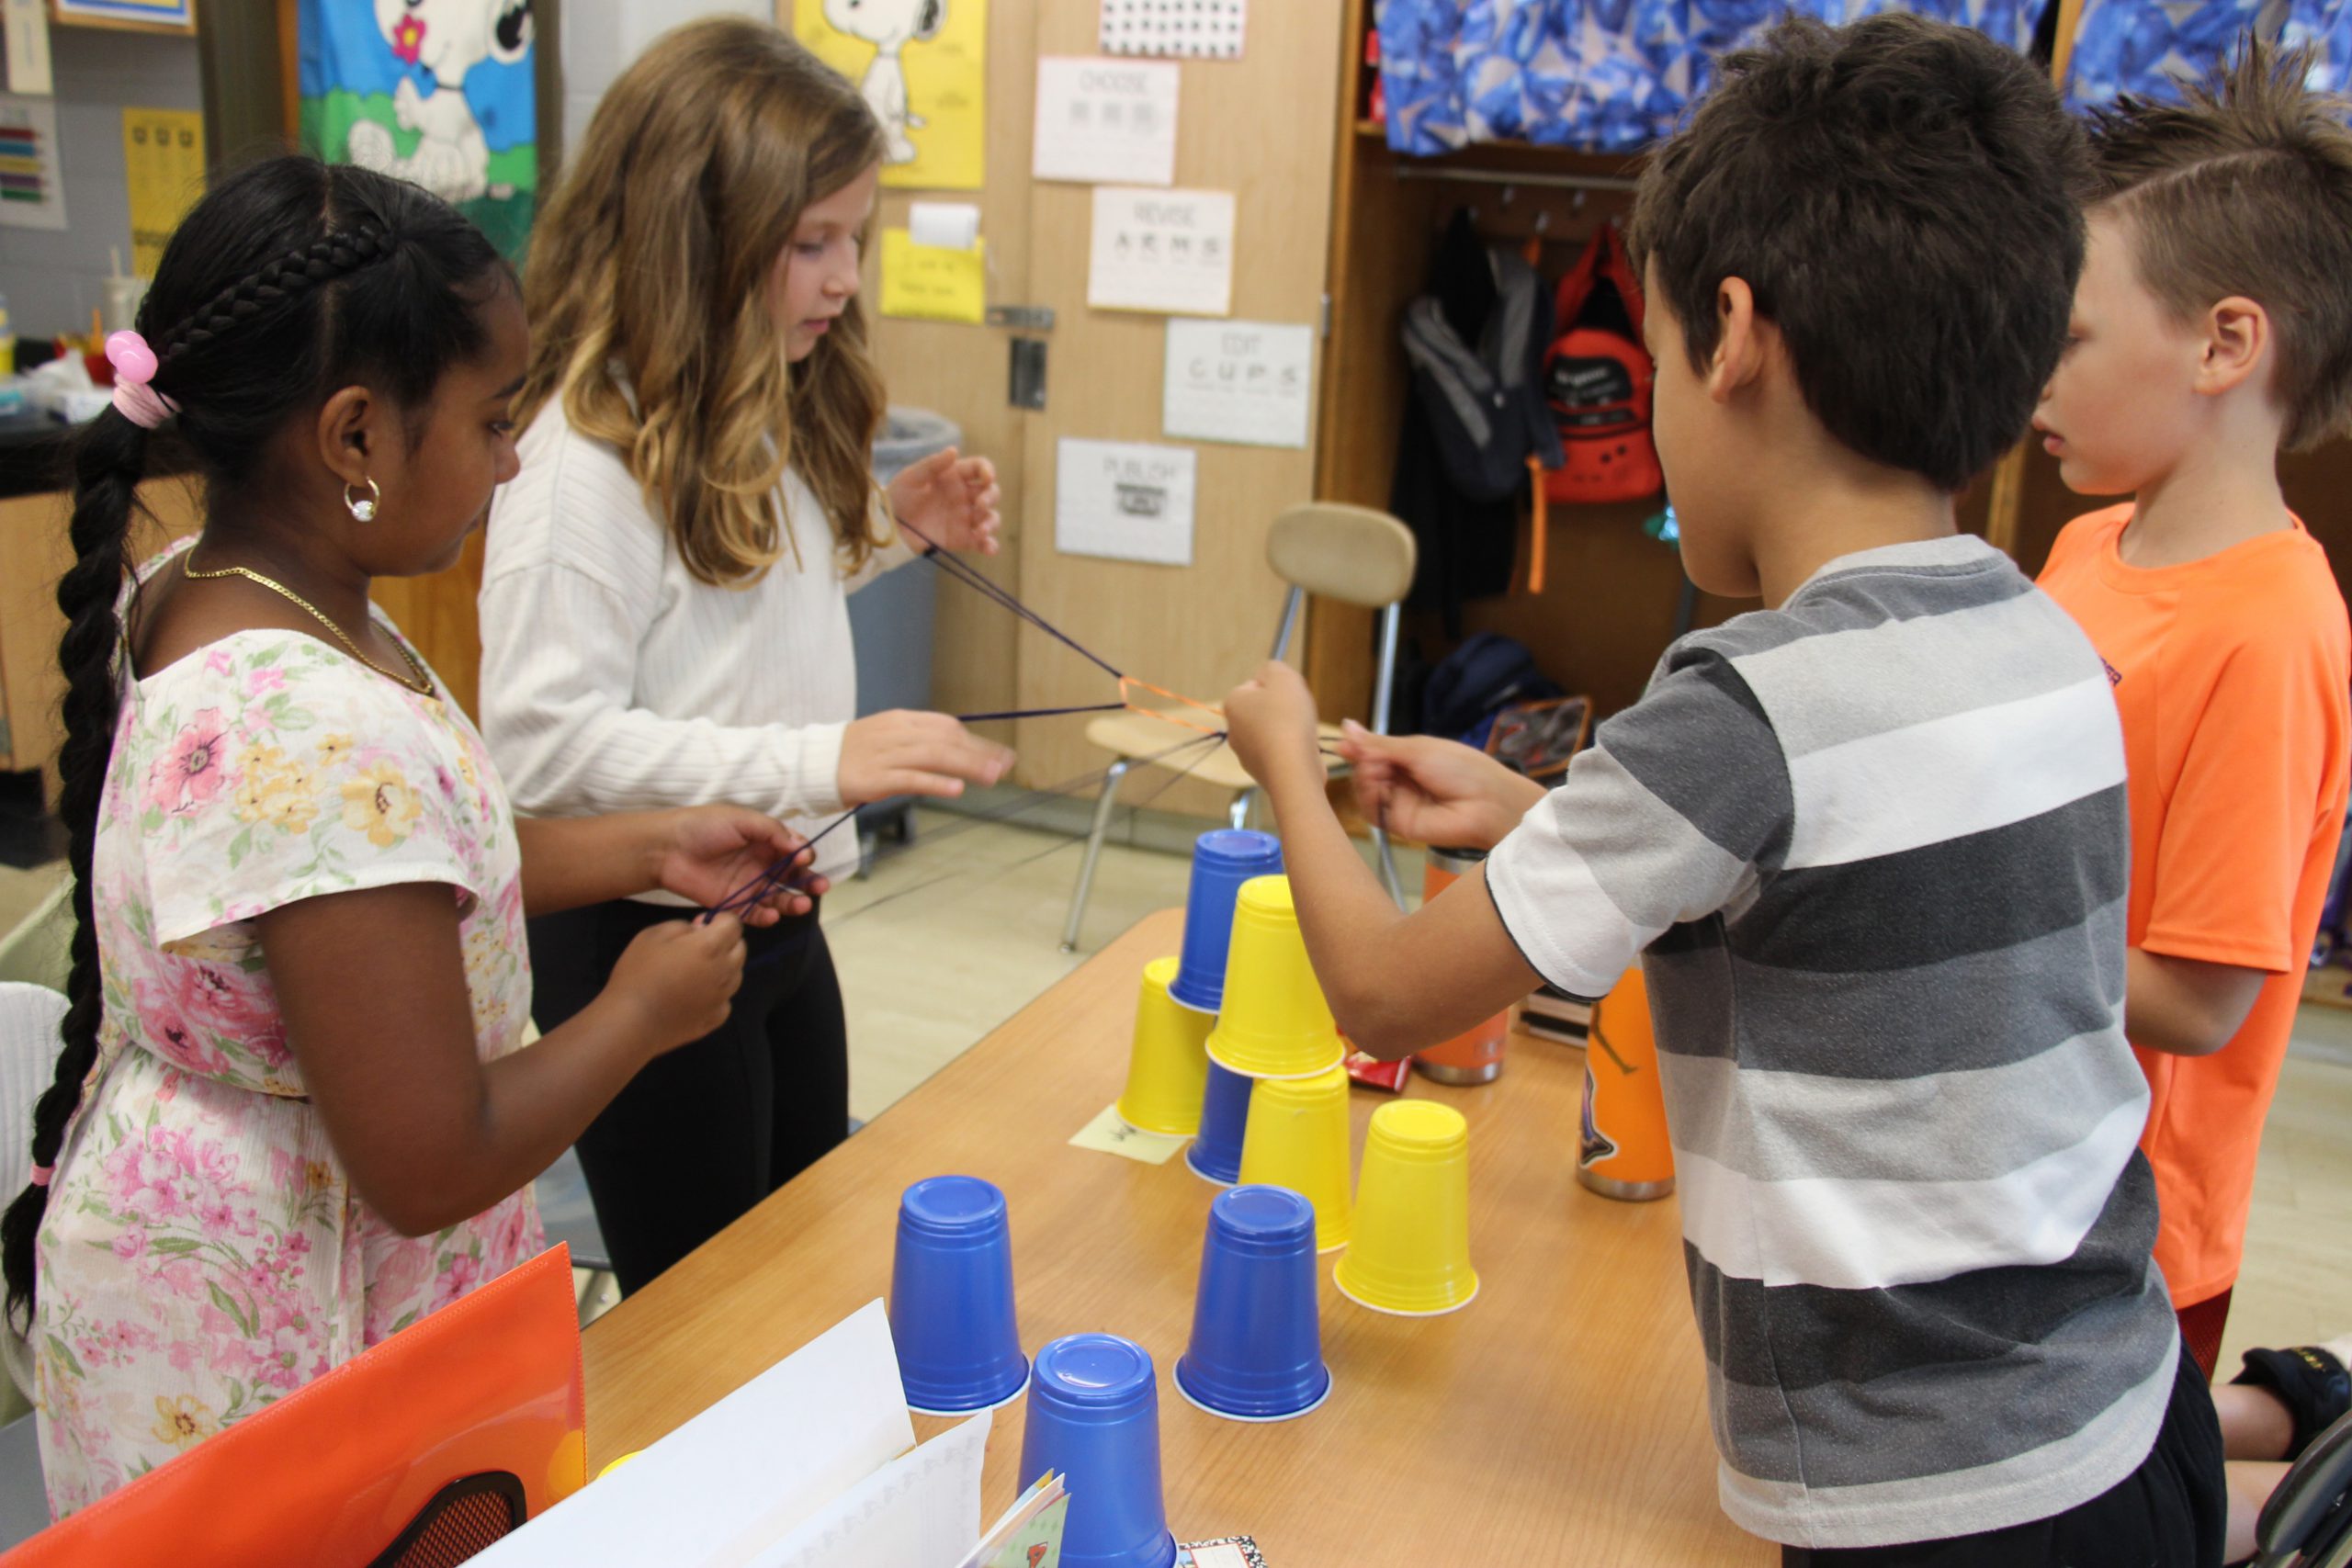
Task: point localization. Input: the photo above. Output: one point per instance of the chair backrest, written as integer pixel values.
(29, 1016)
(422, 1448)
(1350, 553)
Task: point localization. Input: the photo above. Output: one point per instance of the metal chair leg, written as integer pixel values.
(1103, 804)
(1243, 804)
(1389, 865)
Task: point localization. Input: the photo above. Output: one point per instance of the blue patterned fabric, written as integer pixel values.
(2328, 24)
(1598, 75)
(2148, 49)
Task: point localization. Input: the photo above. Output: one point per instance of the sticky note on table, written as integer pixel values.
(931, 283)
(1109, 1135)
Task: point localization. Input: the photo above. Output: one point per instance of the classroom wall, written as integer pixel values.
(56, 277)
(600, 38)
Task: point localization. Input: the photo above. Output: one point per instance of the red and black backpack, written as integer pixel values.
(1597, 379)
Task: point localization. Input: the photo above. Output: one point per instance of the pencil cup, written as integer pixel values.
(1168, 1069)
(1216, 1153)
(1297, 1137)
(1093, 1416)
(951, 1298)
(1257, 1348)
(1410, 1252)
(1275, 1023)
(1223, 859)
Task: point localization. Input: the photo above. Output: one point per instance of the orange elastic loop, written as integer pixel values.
(1126, 680)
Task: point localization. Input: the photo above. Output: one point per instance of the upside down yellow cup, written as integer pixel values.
(1275, 1023)
(1167, 1071)
(1297, 1137)
(1410, 1250)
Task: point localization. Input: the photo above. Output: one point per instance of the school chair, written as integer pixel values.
(417, 1453)
(2307, 1521)
(1352, 554)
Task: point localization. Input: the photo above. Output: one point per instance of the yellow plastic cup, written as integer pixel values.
(1297, 1137)
(1275, 1023)
(1167, 1071)
(1410, 1252)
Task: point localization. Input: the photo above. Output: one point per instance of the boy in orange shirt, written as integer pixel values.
(2209, 330)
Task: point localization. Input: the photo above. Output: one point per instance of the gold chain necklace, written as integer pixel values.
(421, 685)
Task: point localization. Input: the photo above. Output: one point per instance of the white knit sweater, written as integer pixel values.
(611, 679)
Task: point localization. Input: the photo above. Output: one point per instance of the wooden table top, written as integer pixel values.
(1559, 1418)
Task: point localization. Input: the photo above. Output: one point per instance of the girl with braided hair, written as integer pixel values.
(293, 1111)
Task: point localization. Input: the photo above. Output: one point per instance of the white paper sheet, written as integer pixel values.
(1205, 30)
(1105, 121)
(919, 1511)
(1125, 500)
(29, 125)
(945, 225)
(1170, 251)
(741, 1476)
(1241, 381)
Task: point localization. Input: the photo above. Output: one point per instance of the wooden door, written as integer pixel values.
(1262, 127)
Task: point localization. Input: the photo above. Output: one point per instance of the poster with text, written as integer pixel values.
(1238, 381)
(1106, 121)
(1170, 251)
(922, 66)
(1126, 500)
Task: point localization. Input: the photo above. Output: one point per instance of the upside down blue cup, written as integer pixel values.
(1216, 1151)
(951, 1298)
(1222, 859)
(1093, 1416)
(1257, 1348)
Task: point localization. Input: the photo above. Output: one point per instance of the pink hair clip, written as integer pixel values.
(134, 368)
(41, 1173)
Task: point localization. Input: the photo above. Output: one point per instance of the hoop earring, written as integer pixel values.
(363, 507)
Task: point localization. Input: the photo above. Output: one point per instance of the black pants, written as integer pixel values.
(2169, 1512)
(703, 1133)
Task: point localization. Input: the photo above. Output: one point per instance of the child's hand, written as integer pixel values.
(710, 852)
(1435, 792)
(949, 500)
(1270, 721)
(679, 976)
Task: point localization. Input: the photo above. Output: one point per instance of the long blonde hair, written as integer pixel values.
(648, 292)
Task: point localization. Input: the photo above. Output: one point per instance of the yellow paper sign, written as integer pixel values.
(162, 154)
(1107, 1134)
(931, 284)
(923, 66)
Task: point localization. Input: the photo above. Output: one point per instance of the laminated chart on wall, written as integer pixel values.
(1240, 382)
(1105, 121)
(1125, 500)
(163, 154)
(1169, 250)
(922, 67)
(1199, 29)
(32, 187)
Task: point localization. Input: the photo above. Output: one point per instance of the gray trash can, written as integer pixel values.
(889, 618)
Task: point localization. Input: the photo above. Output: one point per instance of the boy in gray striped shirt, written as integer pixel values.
(1870, 843)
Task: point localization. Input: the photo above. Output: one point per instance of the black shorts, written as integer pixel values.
(2169, 1512)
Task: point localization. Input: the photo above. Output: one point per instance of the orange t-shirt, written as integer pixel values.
(2233, 675)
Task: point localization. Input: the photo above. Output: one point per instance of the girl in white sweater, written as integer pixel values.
(664, 607)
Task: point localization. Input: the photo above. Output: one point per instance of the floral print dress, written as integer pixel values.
(203, 1252)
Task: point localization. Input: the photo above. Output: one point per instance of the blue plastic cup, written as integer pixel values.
(1257, 1348)
(1216, 1151)
(1094, 1417)
(1222, 859)
(951, 1298)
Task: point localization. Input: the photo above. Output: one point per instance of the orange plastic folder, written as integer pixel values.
(338, 1471)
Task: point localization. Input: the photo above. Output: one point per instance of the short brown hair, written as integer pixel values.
(2246, 188)
(1903, 197)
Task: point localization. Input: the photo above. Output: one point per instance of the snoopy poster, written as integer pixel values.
(439, 92)
(921, 65)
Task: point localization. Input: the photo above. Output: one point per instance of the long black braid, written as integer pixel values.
(289, 280)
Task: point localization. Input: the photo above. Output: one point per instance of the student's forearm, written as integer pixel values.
(570, 862)
(534, 1104)
(2184, 1007)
